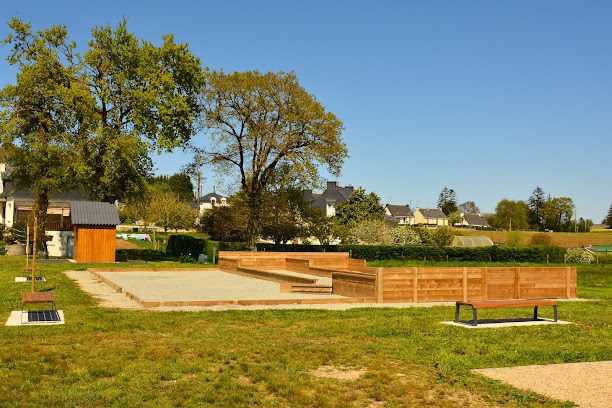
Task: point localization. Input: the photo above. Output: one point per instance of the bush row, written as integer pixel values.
(185, 245)
(538, 254)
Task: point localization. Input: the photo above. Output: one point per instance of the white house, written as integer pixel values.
(212, 200)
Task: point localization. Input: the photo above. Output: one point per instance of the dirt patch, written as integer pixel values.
(338, 373)
(123, 244)
(586, 384)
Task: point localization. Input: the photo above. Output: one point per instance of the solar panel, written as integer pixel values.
(37, 316)
(38, 279)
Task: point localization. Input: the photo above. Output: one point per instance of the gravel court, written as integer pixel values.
(587, 384)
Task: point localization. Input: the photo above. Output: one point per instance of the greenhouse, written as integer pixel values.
(471, 242)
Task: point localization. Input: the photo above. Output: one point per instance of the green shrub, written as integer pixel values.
(580, 256)
(514, 239)
(541, 238)
(2, 248)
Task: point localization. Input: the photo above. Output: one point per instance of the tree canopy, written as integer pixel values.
(447, 200)
(359, 207)
(510, 215)
(258, 123)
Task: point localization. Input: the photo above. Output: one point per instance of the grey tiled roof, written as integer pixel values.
(476, 220)
(432, 213)
(400, 210)
(208, 196)
(93, 213)
(333, 194)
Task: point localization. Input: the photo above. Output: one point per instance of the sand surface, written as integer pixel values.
(587, 384)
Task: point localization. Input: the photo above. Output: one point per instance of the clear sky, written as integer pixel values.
(490, 98)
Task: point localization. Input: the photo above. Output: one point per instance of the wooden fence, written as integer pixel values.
(419, 284)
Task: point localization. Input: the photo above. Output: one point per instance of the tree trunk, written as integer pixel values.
(40, 211)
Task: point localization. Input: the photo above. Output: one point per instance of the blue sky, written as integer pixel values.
(488, 98)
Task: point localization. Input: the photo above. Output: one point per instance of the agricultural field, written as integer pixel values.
(277, 358)
(563, 239)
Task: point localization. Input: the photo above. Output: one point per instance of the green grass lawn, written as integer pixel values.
(110, 357)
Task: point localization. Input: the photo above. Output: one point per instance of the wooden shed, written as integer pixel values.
(95, 230)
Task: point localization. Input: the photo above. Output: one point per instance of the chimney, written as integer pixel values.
(332, 185)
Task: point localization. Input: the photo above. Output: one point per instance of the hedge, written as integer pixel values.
(185, 245)
(538, 254)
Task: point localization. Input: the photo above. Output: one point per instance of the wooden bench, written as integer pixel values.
(504, 304)
(38, 297)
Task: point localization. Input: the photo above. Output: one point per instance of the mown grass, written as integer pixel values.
(111, 357)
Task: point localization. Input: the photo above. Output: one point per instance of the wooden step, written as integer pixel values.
(312, 288)
(273, 276)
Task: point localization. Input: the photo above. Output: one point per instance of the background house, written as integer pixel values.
(330, 198)
(402, 214)
(473, 220)
(433, 217)
(212, 200)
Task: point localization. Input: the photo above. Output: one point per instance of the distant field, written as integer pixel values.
(564, 239)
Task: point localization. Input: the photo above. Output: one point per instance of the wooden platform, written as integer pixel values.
(353, 278)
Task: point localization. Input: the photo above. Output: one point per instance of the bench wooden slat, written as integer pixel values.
(37, 297)
(493, 304)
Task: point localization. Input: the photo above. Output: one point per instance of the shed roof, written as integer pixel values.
(93, 213)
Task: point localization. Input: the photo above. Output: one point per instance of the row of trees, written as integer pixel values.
(540, 212)
(286, 215)
(92, 118)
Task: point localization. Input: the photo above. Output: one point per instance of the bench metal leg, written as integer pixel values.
(555, 311)
(475, 316)
(457, 314)
(535, 313)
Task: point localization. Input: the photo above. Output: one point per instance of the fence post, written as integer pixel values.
(567, 283)
(517, 283)
(465, 286)
(415, 283)
(379, 285)
(484, 291)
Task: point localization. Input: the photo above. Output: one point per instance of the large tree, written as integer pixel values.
(468, 207)
(557, 213)
(91, 119)
(510, 215)
(260, 122)
(536, 202)
(44, 112)
(146, 98)
(447, 200)
(608, 219)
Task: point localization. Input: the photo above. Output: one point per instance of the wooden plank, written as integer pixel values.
(465, 286)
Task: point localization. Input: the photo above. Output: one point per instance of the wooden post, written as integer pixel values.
(415, 283)
(34, 255)
(465, 285)
(28, 243)
(517, 283)
(379, 285)
(484, 289)
(567, 283)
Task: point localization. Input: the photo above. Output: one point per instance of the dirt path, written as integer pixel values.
(587, 384)
(105, 294)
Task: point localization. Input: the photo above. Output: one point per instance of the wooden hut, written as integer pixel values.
(95, 230)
